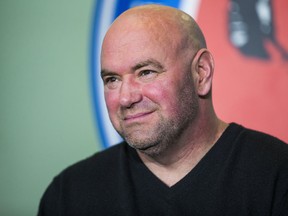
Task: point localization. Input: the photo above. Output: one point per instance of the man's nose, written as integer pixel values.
(130, 93)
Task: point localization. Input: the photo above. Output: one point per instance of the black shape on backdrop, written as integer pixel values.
(251, 23)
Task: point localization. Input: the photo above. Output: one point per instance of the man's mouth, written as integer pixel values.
(137, 116)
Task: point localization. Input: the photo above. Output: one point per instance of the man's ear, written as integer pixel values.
(203, 69)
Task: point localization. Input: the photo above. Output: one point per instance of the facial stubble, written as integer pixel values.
(165, 133)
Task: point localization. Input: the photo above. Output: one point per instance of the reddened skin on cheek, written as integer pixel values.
(112, 105)
(163, 93)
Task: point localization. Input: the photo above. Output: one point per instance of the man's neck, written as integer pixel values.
(174, 164)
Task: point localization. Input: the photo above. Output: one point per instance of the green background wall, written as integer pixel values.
(46, 118)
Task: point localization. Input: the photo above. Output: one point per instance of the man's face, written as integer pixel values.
(148, 87)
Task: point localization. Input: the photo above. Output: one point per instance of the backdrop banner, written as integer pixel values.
(249, 41)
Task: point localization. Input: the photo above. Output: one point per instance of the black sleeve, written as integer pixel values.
(284, 210)
(50, 201)
(281, 199)
(284, 201)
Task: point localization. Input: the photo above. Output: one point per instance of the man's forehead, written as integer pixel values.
(138, 39)
(141, 35)
(149, 17)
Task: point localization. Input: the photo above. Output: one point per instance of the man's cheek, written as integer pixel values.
(156, 91)
(111, 102)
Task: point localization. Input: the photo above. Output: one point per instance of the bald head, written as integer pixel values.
(162, 21)
(157, 76)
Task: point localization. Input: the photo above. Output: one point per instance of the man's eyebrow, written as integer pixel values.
(148, 62)
(105, 72)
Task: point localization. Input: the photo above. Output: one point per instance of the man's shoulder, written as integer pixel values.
(99, 163)
(261, 139)
(88, 184)
(259, 146)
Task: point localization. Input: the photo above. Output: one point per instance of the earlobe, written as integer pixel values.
(203, 67)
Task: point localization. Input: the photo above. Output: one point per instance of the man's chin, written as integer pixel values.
(150, 149)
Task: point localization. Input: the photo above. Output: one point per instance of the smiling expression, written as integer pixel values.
(148, 83)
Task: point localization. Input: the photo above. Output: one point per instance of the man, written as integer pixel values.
(178, 158)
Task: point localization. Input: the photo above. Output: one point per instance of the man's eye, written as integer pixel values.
(110, 80)
(146, 72)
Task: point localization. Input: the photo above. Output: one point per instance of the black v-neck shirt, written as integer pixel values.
(244, 173)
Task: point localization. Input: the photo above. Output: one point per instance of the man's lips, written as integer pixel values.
(136, 116)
